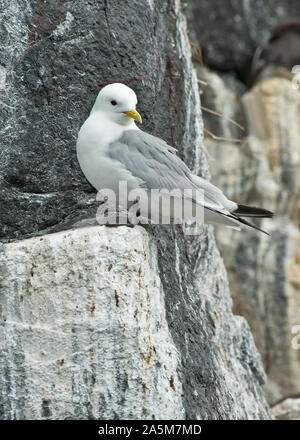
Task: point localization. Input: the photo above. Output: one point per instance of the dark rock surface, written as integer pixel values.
(229, 31)
(54, 59)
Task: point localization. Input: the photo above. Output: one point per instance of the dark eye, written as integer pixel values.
(113, 102)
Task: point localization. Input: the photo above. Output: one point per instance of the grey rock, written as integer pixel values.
(262, 170)
(101, 323)
(85, 335)
(229, 31)
(289, 409)
(58, 290)
(54, 59)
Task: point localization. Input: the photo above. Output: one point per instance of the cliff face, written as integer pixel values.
(263, 170)
(99, 322)
(85, 332)
(259, 166)
(238, 28)
(55, 58)
(93, 328)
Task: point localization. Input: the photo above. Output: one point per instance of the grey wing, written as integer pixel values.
(154, 163)
(151, 160)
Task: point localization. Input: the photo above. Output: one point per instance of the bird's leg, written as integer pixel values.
(114, 216)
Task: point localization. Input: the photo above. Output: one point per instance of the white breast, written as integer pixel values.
(92, 151)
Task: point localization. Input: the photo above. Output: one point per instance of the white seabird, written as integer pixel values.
(111, 148)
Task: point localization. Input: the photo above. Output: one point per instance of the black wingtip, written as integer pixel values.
(251, 225)
(252, 211)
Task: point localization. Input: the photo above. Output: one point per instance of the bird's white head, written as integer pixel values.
(118, 102)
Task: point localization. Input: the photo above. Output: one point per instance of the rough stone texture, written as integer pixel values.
(58, 57)
(55, 56)
(85, 333)
(229, 31)
(289, 409)
(263, 170)
(89, 330)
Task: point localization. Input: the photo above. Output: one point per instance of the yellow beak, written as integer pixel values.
(134, 115)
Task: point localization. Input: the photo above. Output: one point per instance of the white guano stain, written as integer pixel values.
(2, 78)
(64, 26)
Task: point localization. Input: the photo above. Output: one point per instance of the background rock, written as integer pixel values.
(54, 71)
(258, 165)
(262, 170)
(229, 31)
(289, 409)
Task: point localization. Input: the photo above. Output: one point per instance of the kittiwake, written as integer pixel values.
(112, 149)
